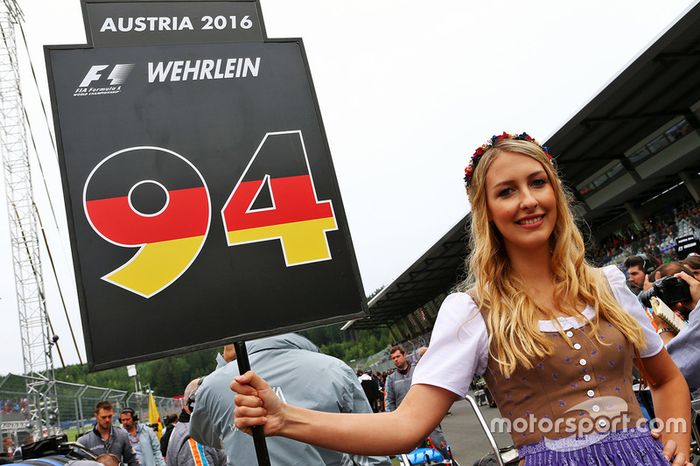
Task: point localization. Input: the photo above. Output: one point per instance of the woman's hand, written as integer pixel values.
(671, 451)
(256, 404)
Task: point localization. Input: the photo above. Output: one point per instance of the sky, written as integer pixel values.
(406, 91)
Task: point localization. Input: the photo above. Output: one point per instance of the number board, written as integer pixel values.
(202, 201)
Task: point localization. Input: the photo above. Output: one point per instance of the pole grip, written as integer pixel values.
(258, 433)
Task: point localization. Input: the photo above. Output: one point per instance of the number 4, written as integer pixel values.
(275, 199)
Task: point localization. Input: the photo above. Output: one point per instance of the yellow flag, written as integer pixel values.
(153, 416)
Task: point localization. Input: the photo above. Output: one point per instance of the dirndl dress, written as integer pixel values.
(632, 447)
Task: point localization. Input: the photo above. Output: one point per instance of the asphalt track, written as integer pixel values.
(465, 435)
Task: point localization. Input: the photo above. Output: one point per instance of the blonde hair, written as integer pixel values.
(510, 313)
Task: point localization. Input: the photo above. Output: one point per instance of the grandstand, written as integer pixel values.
(631, 159)
(657, 238)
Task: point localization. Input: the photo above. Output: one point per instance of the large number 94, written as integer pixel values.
(158, 203)
(275, 199)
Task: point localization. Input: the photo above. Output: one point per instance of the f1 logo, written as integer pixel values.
(116, 77)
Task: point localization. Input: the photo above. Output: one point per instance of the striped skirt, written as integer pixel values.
(633, 447)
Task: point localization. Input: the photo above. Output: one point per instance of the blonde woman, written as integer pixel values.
(554, 337)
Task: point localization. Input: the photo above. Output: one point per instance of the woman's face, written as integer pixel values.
(520, 201)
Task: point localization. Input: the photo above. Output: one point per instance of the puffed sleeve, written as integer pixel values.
(631, 304)
(458, 347)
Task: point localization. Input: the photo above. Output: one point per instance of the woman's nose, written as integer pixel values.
(527, 201)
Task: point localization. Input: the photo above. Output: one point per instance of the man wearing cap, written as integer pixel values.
(183, 450)
(300, 375)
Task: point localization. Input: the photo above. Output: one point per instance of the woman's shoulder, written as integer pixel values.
(614, 275)
(460, 304)
(459, 310)
(460, 298)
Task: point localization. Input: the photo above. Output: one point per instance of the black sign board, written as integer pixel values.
(202, 201)
(172, 22)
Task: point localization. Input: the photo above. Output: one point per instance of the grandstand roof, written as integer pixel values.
(435, 272)
(659, 86)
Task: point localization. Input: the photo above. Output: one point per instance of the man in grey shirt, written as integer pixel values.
(398, 382)
(396, 387)
(105, 438)
(300, 375)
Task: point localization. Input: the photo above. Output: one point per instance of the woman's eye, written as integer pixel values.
(539, 182)
(504, 192)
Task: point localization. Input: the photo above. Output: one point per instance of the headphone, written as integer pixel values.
(131, 411)
(647, 264)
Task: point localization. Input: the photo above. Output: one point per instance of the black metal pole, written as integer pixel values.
(258, 433)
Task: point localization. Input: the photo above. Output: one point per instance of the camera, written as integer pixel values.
(669, 289)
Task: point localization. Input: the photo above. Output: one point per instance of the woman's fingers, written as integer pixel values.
(247, 412)
(680, 460)
(669, 450)
(256, 403)
(247, 400)
(247, 383)
(245, 423)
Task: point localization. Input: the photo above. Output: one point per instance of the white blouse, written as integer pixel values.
(459, 344)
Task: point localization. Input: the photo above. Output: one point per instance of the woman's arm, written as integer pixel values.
(362, 434)
(671, 404)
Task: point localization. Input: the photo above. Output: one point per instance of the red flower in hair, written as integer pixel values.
(481, 150)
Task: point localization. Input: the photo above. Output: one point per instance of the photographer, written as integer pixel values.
(684, 348)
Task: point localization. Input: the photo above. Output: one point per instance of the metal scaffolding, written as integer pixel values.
(33, 320)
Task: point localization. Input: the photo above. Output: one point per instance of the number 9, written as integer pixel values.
(154, 199)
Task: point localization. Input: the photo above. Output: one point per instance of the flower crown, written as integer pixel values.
(469, 171)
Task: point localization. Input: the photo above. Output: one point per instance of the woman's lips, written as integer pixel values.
(531, 222)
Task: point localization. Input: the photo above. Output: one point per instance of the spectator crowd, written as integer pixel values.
(20, 405)
(656, 238)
